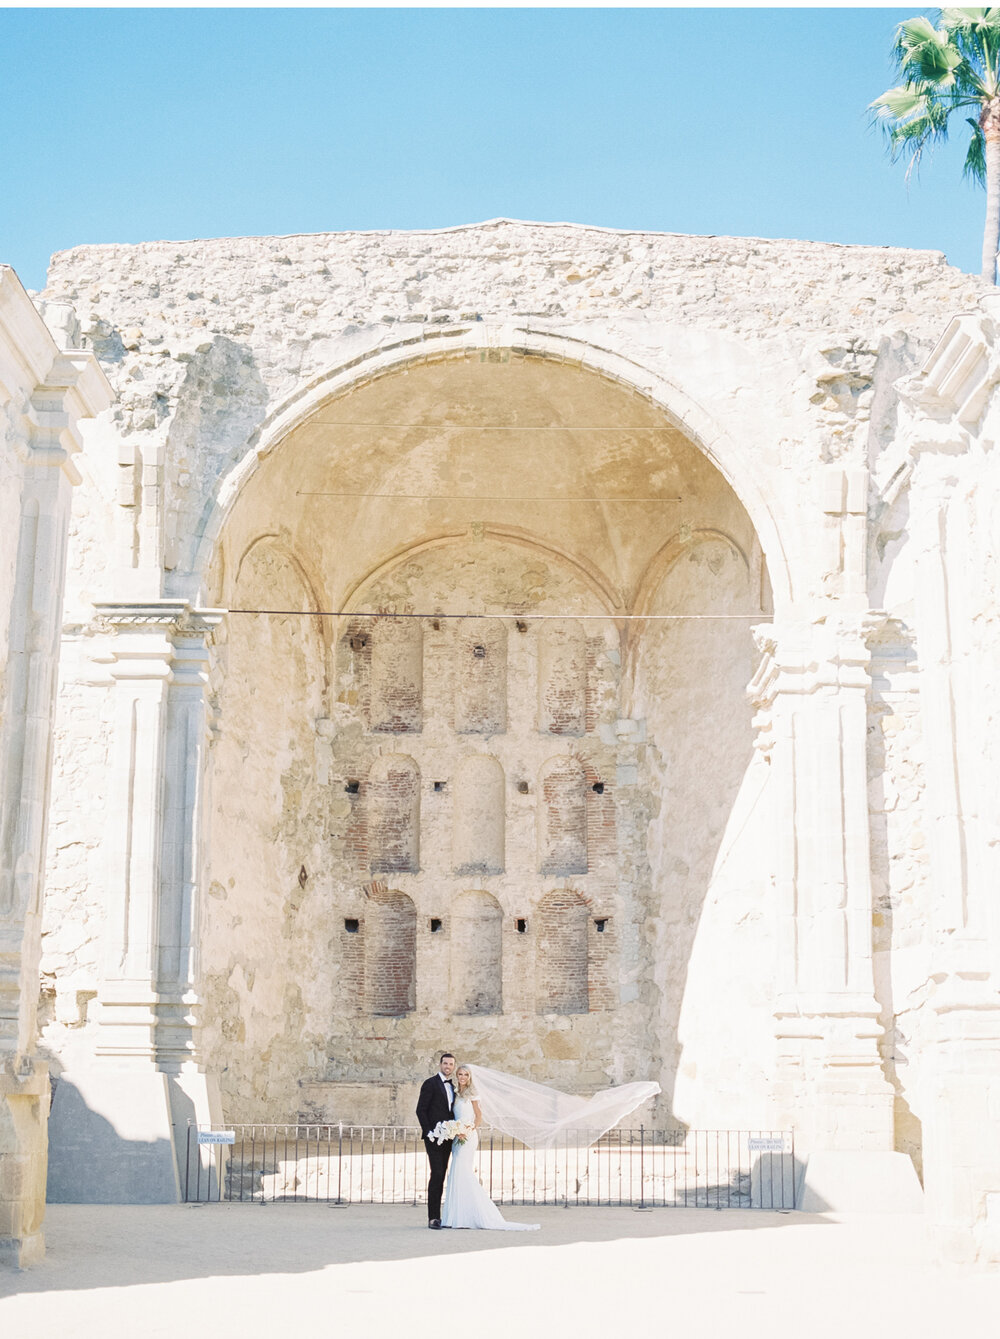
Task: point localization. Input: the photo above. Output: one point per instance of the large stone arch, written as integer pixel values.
(420, 526)
(732, 459)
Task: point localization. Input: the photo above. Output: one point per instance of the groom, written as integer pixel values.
(437, 1096)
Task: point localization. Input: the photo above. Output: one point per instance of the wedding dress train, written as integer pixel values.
(466, 1203)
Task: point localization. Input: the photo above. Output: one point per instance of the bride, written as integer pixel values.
(466, 1203)
(537, 1116)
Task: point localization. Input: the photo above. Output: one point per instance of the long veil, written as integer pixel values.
(541, 1117)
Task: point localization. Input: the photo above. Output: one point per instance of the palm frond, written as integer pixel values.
(975, 159)
(912, 116)
(900, 103)
(976, 34)
(964, 18)
(926, 54)
(943, 68)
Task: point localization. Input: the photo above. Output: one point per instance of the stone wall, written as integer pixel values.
(511, 499)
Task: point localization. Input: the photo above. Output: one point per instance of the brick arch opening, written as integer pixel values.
(476, 967)
(481, 677)
(561, 975)
(390, 949)
(397, 673)
(479, 820)
(562, 678)
(393, 802)
(562, 817)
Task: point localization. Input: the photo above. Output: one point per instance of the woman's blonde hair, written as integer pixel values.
(470, 1089)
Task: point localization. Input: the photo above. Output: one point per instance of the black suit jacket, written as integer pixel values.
(432, 1104)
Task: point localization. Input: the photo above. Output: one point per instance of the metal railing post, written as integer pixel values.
(642, 1205)
(340, 1161)
(187, 1167)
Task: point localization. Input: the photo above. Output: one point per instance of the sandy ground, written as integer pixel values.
(247, 1271)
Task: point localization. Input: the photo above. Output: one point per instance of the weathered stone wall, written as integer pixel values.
(659, 439)
(202, 340)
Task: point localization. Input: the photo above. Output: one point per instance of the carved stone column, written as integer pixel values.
(119, 1122)
(44, 393)
(949, 471)
(811, 693)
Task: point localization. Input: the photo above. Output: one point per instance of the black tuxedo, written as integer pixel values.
(434, 1105)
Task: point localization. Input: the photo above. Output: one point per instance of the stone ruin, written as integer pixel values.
(573, 647)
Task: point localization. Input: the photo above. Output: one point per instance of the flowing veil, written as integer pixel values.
(541, 1117)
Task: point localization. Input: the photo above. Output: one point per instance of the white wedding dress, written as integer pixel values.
(466, 1203)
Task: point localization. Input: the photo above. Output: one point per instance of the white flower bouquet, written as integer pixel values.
(450, 1129)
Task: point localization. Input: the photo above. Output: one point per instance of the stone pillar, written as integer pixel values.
(120, 1120)
(947, 435)
(43, 394)
(811, 695)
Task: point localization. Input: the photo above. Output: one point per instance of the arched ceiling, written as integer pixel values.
(554, 454)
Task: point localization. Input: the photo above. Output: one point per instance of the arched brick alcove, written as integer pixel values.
(390, 953)
(394, 815)
(562, 817)
(479, 817)
(396, 703)
(481, 677)
(476, 954)
(562, 678)
(561, 978)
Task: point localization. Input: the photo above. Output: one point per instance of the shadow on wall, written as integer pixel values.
(94, 1161)
(707, 865)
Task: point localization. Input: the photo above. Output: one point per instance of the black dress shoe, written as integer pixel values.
(434, 1222)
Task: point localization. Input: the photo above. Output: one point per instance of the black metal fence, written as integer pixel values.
(385, 1164)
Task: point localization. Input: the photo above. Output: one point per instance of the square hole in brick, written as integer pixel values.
(352, 787)
(351, 925)
(440, 786)
(600, 924)
(435, 925)
(521, 925)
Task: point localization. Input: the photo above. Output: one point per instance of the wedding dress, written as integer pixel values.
(466, 1203)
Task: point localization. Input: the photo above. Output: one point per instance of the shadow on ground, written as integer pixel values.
(115, 1246)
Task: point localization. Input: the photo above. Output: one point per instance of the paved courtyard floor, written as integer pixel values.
(246, 1271)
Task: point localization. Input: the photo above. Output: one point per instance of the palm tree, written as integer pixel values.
(946, 68)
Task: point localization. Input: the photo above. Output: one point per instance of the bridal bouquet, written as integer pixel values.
(450, 1129)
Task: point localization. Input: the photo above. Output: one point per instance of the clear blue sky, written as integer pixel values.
(130, 125)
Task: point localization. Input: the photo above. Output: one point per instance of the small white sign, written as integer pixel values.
(216, 1136)
(766, 1145)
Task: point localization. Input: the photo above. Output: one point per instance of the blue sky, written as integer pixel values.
(130, 125)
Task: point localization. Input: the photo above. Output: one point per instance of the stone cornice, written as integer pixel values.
(48, 389)
(27, 349)
(173, 617)
(950, 392)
